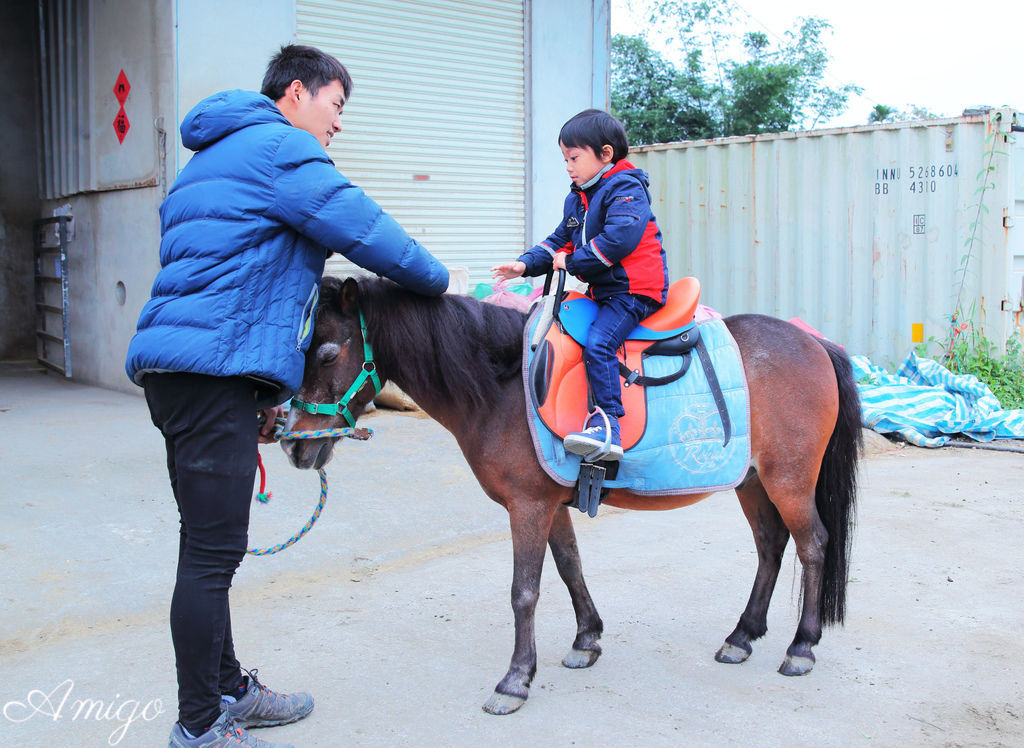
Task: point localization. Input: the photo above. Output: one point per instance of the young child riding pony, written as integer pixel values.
(608, 237)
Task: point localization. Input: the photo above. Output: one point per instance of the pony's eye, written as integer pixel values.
(327, 354)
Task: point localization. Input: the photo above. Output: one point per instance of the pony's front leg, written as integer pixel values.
(562, 539)
(531, 525)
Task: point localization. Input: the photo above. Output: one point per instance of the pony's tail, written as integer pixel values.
(836, 493)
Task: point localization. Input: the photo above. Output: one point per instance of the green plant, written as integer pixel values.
(967, 350)
(973, 353)
(921, 349)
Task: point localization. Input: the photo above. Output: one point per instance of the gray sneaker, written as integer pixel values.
(224, 733)
(261, 707)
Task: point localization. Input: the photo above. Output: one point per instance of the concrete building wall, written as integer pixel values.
(113, 251)
(184, 50)
(569, 58)
(19, 196)
(192, 49)
(225, 45)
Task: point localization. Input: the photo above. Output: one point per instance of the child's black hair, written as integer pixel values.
(595, 129)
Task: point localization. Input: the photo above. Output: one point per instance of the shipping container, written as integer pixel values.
(873, 235)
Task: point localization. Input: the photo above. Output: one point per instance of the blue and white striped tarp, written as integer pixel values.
(926, 404)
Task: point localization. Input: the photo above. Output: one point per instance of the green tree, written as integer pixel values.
(657, 102)
(728, 84)
(882, 113)
(762, 92)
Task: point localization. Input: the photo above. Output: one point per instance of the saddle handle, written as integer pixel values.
(559, 289)
(550, 306)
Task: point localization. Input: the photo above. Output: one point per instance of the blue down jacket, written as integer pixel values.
(245, 232)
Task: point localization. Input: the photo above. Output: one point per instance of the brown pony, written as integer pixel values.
(461, 361)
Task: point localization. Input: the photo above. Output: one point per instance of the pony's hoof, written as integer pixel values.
(501, 703)
(730, 654)
(793, 665)
(578, 658)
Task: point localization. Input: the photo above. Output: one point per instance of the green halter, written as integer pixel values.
(369, 372)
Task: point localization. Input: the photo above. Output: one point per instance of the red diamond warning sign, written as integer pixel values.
(122, 87)
(121, 125)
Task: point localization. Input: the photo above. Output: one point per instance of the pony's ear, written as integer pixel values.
(349, 295)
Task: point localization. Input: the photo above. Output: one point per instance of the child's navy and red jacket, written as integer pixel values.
(610, 236)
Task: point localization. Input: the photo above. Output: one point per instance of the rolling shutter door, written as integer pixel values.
(435, 131)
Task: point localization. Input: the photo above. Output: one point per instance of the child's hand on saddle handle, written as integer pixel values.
(509, 270)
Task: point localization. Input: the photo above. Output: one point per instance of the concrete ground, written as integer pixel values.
(394, 611)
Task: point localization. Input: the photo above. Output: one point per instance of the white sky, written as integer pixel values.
(941, 55)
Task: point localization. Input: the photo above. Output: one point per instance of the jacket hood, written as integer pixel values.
(224, 113)
(625, 167)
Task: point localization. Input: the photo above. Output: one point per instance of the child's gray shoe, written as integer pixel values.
(599, 441)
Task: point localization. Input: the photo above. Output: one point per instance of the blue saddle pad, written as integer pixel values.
(681, 450)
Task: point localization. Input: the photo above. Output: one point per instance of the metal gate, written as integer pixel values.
(50, 237)
(435, 131)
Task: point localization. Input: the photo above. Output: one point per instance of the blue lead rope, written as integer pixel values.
(264, 496)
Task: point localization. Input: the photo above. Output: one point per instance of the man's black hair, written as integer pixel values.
(595, 129)
(307, 64)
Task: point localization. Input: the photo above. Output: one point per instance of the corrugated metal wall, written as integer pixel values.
(64, 69)
(860, 231)
(435, 131)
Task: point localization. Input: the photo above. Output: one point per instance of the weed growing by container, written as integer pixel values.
(1004, 374)
(970, 352)
(967, 350)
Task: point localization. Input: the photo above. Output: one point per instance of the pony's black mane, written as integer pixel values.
(462, 349)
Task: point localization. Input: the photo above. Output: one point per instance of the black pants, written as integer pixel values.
(209, 426)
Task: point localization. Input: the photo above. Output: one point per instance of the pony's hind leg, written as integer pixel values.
(811, 539)
(770, 538)
(795, 504)
(562, 539)
(531, 525)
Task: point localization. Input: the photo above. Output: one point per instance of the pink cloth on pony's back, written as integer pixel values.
(704, 313)
(797, 322)
(504, 297)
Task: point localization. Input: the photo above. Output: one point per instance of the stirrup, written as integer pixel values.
(587, 496)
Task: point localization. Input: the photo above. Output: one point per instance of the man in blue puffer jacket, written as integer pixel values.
(245, 232)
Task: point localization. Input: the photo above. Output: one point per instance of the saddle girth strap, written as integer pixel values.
(632, 377)
(716, 389)
(679, 345)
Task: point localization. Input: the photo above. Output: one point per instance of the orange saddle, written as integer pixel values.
(557, 378)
